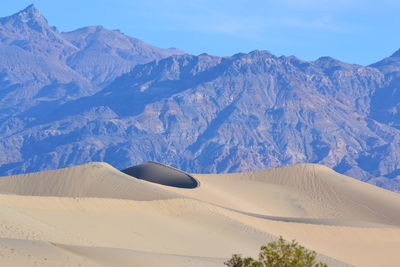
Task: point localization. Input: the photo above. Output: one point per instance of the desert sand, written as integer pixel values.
(96, 215)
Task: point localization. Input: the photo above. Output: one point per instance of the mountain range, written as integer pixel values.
(98, 95)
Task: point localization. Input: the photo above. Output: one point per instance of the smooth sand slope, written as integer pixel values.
(95, 215)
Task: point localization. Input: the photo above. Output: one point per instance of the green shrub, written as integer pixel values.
(278, 253)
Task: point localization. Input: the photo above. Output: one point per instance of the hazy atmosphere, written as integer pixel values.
(349, 30)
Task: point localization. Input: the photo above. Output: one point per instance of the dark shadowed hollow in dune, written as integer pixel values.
(161, 174)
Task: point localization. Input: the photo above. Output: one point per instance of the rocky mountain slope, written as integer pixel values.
(38, 64)
(201, 113)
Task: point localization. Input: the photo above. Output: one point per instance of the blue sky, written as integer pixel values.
(354, 31)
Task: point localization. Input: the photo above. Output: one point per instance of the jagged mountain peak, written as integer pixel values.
(49, 65)
(30, 11)
(106, 54)
(31, 17)
(90, 35)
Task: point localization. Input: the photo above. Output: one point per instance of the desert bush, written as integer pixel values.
(279, 253)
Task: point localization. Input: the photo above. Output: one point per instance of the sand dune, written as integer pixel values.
(95, 215)
(301, 191)
(89, 180)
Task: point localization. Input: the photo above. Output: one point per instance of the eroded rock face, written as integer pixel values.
(41, 66)
(210, 114)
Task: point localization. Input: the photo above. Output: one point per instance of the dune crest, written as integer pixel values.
(301, 191)
(95, 179)
(96, 215)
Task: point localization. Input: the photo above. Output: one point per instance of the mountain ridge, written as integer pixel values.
(40, 63)
(206, 113)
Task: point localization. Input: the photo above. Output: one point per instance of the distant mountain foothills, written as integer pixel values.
(99, 95)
